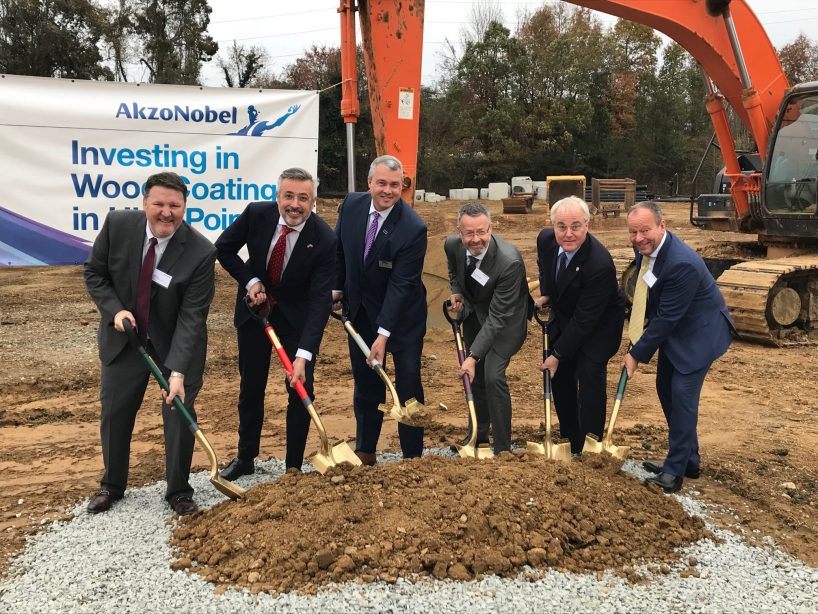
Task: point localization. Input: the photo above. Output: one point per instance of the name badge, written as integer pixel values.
(385, 264)
(649, 278)
(480, 277)
(161, 278)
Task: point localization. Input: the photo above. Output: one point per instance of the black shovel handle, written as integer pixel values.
(157, 373)
(258, 312)
(447, 306)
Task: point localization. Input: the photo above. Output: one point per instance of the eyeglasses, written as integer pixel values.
(304, 199)
(564, 228)
(479, 234)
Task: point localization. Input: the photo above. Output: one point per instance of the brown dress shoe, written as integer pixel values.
(367, 458)
(183, 505)
(102, 501)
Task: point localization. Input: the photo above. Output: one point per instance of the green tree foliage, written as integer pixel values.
(51, 38)
(173, 39)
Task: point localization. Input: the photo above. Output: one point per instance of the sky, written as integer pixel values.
(287, 29)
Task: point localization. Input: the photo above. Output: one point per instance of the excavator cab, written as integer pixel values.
(791, 177)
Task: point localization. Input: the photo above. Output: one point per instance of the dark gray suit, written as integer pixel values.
(494, 328)
(177, 334)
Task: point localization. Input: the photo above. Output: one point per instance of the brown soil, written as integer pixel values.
(758, 423)
(453, 519)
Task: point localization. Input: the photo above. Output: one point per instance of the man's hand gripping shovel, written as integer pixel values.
(326, 457)
(227, 488)
(404, 414)
(549, 449)
(592, 444)
(470, 449)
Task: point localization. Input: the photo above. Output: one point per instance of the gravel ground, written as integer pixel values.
(120, 562)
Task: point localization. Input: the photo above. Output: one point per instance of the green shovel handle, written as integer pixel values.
(157, 373)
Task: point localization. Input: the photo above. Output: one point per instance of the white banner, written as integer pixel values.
(70, 151)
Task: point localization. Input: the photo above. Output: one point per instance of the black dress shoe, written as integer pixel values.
(237, 468)
(183, 505)
(656, 467)
(669, 483)
(102, 501)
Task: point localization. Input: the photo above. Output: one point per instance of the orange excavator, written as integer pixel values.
(773, 300)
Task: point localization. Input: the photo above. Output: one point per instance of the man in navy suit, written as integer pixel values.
(381, 248)
(688, 322)
(578, 281)
(291, 265)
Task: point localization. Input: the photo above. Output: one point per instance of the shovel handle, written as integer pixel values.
(260, 312)
(623, 382)
(157, 373)
(447, 306)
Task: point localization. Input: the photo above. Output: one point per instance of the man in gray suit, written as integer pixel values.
(150, 268)
(487, 277)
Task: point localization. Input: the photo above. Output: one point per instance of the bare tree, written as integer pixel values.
(242, 65)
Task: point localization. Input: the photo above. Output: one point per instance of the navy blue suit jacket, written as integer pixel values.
(389, 284)
(588, 306)
(686, 313)
(304, 295)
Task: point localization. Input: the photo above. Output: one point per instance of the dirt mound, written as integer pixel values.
(448, 518)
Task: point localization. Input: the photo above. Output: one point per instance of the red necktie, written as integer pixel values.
(143, 290)
(276, 264)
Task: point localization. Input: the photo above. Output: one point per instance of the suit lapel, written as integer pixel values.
(137, 244)
(262, 247)
(303, 245)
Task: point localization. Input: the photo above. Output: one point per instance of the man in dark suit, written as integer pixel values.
(578, 282)
(292, 266)
(487, 278)
(381, 248)
(154, 270)
(687, 321)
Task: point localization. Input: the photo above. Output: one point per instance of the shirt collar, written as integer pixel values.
(298, 228)
(160, 242)
(381, 214)
(655, 252)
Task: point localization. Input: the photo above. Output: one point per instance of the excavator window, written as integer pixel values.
(793, 169)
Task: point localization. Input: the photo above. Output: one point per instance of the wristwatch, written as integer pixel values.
(176, 374)
(476, 358)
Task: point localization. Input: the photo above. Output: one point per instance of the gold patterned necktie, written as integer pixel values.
(640, 301)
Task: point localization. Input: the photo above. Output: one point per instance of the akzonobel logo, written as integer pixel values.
(177, 113)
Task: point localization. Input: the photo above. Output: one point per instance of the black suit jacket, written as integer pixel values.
(389, 284)
(304, 295)
(586, 301)
(178, 320)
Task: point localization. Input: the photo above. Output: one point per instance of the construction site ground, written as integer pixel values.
(758, 424)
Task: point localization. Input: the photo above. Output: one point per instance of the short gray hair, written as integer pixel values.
(650, 206)
(571, 202)
(298, 174)
(473, 210)
(390, 162)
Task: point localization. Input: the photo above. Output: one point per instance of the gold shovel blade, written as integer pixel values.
(620, 452)
(227, 488)
(340, 453)
(403, 414)
(478, 452)
(592, 444)
(558, 451)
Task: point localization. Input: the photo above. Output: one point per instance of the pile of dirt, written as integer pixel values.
(448, 518)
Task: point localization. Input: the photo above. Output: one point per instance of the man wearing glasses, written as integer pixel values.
(578, 283)
(291, 267)
(487, 278)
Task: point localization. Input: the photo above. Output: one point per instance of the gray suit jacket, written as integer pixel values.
(178, 320)
(503, 305)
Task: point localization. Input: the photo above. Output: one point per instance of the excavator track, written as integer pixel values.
(772, 302)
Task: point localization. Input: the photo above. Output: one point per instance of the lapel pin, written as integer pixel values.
(309, 245)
